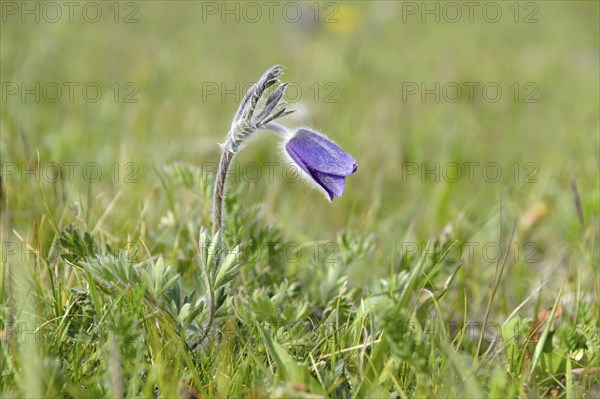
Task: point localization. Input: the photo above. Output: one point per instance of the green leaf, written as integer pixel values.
(288, 369)
(539, 348)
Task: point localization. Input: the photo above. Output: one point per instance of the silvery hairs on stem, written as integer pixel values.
(247, 121)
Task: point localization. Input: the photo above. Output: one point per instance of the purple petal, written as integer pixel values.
(334, 185)
(297, 159)
(320, 154)
(321, 159)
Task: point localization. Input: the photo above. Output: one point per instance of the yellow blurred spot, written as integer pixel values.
(129, 248)
(536, 213)
(344, 19)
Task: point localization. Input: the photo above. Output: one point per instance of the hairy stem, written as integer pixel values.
(226, 157)
(219, 193)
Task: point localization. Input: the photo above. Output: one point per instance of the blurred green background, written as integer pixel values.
(351, 64)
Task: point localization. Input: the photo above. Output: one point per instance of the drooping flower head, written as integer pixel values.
(321, 161)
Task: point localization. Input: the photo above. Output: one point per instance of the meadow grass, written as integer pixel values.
(418, 282)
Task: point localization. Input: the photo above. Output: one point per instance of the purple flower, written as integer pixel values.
(322, 160)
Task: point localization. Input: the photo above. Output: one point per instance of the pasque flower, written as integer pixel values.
(321, 161)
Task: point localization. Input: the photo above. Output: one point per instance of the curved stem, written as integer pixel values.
(277, 128)
(226, 157)
(219, 193)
